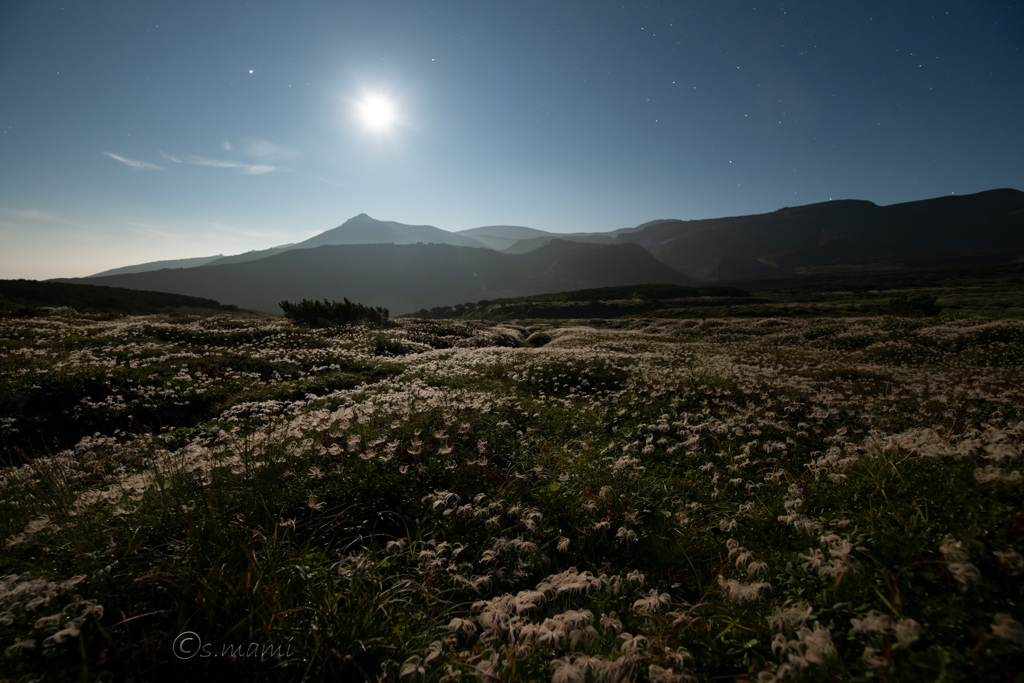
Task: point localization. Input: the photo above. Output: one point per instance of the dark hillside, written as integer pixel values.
(22, 296)
(779, 243)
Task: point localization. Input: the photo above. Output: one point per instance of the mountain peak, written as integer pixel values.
(360, 218)
(364, 229)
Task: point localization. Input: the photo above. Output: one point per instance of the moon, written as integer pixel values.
(377, 112)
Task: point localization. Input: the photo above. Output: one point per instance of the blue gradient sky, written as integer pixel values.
(135, 131)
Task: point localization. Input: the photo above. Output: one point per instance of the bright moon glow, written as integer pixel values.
(377, 112)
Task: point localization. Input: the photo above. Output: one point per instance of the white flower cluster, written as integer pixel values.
(797, 645)
(22, 598)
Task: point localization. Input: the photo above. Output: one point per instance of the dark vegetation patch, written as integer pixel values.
(30, 298)
(602, 302)
(334, 313)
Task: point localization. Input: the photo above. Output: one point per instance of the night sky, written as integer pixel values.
(134, 131)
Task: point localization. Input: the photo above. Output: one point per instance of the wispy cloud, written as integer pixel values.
(265, 152)
(132, 163)
(247, 169)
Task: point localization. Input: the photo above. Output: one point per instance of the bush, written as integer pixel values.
(538, 339)
(385, 346)
(334, 313)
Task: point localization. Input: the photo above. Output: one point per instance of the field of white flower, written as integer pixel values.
(187, 497)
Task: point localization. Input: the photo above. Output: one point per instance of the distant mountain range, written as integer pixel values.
(405, 277)
(409, 267)
(157, 265)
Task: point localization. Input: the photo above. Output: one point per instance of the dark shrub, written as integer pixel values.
(27, 312)
(334, 313)
(385, 346)
(538, 339)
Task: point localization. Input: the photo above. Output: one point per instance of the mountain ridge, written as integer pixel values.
(159, 265)
(986, 227)
(814, 234)
(405, 278)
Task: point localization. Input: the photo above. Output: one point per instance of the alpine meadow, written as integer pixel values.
(810, 485)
